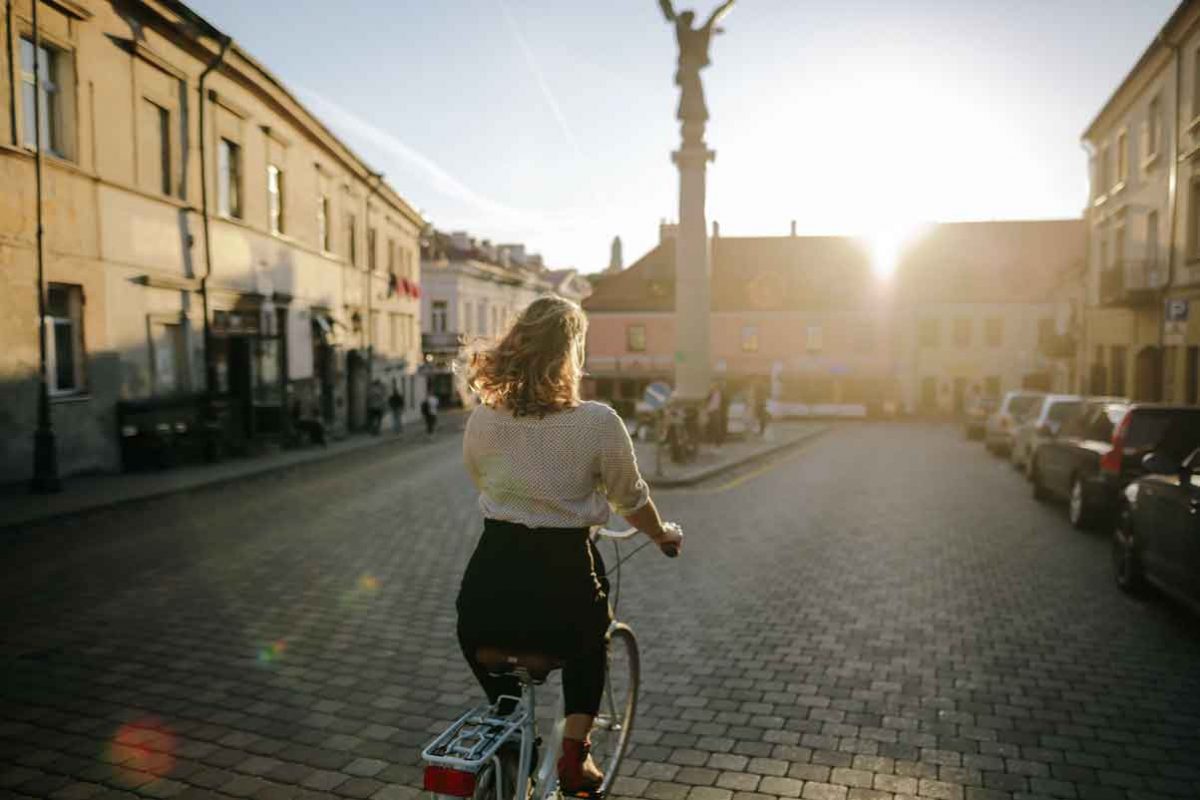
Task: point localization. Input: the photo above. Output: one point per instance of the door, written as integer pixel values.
(241, 386)
(1176, 534)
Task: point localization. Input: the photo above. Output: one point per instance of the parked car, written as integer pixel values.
(1015, 405)
(1068, 465)
(1041, 424)
(1157, 536)
(975, 423)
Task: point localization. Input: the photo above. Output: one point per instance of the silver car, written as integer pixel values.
(1015, 405)
(1041, 425)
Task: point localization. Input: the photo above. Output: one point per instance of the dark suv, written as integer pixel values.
(1100, 451)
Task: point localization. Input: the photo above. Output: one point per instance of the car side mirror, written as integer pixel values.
(1157, 463)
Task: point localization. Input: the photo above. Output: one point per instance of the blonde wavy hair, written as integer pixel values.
(535, 368)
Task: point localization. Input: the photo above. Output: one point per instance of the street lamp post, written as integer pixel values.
(45, 447)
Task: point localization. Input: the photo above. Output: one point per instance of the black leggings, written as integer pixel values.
(542, 590)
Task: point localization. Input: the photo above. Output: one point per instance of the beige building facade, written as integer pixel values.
(308, 264)
(1141, 337)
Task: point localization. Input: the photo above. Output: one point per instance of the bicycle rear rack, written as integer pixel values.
(474, 738)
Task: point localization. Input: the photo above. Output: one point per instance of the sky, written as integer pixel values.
(551, 123)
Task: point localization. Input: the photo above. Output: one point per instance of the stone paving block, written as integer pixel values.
(824, 791)
(664, 790)
(696, 776)
(709, 793)
(899, 784)
(358, 787)
(324, 780)
(859, 793)
(738, 781)
(656, 771)
(767, 766)
(395, 791)
(782, 787)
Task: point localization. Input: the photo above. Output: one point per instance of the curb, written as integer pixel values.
(719, 469)
(254, 471)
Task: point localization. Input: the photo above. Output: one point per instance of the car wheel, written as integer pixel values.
(1035, 477)
(1079, 511)
(1127, 568)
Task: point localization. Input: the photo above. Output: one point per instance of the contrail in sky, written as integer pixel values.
(439, 177)
(540, 77)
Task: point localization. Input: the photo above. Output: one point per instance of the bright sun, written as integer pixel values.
(887, 243)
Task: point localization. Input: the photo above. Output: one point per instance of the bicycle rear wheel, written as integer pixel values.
(618, 706)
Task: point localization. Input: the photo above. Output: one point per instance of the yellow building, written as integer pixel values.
(1141, 335)
(308, 266)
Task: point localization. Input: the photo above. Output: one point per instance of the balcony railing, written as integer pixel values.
(1130, 283)
(441, 342)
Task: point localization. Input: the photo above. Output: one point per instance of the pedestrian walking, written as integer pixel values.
(429, 410)
(375, 399)
(761, 414)
(713, 414)
(396, 403)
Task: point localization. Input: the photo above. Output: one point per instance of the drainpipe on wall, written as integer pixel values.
(12, 72)
(45, 447)
(1173, 200)
(210, 371)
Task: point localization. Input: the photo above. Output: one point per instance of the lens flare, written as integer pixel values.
(145, 746)
(368, 583)
(272, 652)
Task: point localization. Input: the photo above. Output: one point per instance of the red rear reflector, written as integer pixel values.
(444, 780)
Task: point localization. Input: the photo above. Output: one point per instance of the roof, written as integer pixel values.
(768, 273)
(1157, 45)
(200, 27)
(1012, 261)
(991, 262)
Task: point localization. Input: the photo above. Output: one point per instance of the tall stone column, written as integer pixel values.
(693, 272)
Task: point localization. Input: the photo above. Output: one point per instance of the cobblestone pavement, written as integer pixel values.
(882, 614)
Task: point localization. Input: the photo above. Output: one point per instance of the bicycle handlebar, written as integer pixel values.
(670, 551)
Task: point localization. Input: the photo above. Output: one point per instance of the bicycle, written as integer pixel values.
(481, 755)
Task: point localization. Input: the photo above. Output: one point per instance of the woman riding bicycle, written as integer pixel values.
(548, 466)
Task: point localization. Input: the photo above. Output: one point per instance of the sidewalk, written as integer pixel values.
(713, 461)
(91, 492)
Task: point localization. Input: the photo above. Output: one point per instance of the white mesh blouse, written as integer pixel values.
(564, 470)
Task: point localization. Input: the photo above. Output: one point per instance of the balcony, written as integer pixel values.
(441, 342)
(1130, 283)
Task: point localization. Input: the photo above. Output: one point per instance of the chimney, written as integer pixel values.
(667, 230)
(793, 227)
(716, 230)
(616, 261)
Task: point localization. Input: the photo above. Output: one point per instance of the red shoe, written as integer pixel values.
(578, 775)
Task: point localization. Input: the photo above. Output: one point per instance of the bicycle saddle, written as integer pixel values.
(502, 661)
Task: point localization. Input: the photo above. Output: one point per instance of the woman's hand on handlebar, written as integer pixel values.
(671, 539)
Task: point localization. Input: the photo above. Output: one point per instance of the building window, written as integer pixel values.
(1152, 239)
(991, 386)
(391, 255)
(169, 350)
(993, 331)
(275, 199)
(64, 339)
(52, 106)
(1153, 127)
(1122, 158)
(927, 333)
(161, 121)
(352, 239)
(1194, 218)
(1196, 84)
(1117, 370)
(635, 338)
(749, 338)
(481, 318)
(229, 179)
(962, 332)
(437, 316)
(371, 249)
(323, 223)
(814, 339)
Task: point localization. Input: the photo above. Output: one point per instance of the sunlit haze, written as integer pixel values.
(551, 123)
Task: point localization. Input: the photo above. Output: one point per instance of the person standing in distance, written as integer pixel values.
(429, 411)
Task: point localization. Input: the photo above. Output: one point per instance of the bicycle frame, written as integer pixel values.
(473, 742)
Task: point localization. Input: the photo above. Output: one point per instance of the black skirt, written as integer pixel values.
(541, 589)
